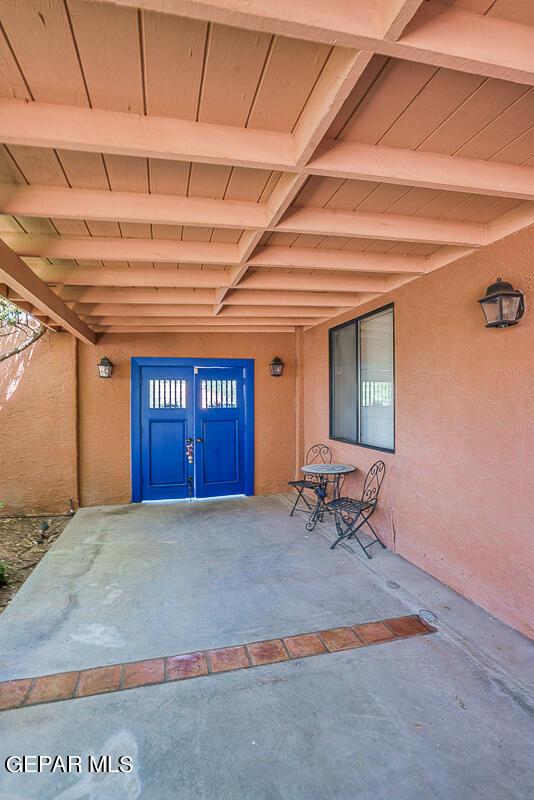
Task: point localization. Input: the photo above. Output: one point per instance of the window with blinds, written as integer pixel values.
(362, 395)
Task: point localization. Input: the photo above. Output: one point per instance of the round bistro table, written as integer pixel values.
(327, 474)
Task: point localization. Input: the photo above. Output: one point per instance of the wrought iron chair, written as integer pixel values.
(351, 515)
(317, 454)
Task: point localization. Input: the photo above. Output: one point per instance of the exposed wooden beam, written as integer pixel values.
(339, 77)
(278, 310)
(116, 249)
(131, 276)
(397, 14)
(182, 311)
(195, 297)
(324, 222)
(19, 277)
(442, 257)
(336, 260)
(416, 168)
(105, 294)
(517, 219)
(460, 40)
(253, 297)
(215, 322)
(513, 221)
(440, 35)
(115, 132)
(196, 329)
(56, 202)
(345, 67)
(337, 22)
(86, 310)
(334, 159)
(326, 283)
(281, 197)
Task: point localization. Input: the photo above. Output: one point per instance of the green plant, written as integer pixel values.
(3, 573)
(18, 329)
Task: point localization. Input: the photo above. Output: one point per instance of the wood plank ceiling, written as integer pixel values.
(203, 167)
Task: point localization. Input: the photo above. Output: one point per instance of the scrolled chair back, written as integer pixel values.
(319, 454)
(373, 482)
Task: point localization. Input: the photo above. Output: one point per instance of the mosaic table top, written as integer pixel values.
(327, 469)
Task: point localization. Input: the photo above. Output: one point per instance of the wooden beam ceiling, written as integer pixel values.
(172, 231)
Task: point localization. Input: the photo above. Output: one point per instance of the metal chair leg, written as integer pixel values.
(352, 532)
(342, 534)
(377, 537)
(300, 494)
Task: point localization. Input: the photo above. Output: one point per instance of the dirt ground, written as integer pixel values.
(23, 543)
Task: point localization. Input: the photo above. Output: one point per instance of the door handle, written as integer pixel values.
(199, 439)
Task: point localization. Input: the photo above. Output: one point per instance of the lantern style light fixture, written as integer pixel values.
(105, 367)
(277, 367)
(502, 305)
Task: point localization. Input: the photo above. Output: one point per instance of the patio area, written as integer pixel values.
(250, 247)
(445, 715)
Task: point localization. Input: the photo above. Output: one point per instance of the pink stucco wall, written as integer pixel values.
(458, 499)
(38, 427)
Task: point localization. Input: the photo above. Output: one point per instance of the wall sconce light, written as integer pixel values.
(105, 367)
(502, 305)
(277, 367)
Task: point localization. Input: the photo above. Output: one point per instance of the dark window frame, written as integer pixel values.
(356, 321)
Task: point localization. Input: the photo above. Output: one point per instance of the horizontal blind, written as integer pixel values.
(376, 399)
(344, 377)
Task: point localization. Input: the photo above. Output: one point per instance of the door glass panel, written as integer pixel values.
(167, 394)
(218, 394)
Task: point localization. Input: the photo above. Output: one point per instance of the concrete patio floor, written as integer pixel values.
(446, 716)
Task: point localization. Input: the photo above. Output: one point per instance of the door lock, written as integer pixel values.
(189, 450)
(199, 439)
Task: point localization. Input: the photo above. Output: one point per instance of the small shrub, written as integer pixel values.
(3, 574)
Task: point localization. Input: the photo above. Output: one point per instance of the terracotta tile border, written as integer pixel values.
(167, 669)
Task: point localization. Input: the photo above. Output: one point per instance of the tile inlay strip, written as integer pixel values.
(153, 671)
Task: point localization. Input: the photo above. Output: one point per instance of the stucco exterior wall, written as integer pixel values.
(105, 406)
(458, 498)
(38, 427)
(44, 460)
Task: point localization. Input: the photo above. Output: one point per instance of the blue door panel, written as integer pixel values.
(221, 451)
(167, 455)
(192, 428)
(167, 414)
(219, 431)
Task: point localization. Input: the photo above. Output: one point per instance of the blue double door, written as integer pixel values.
(192, 431)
